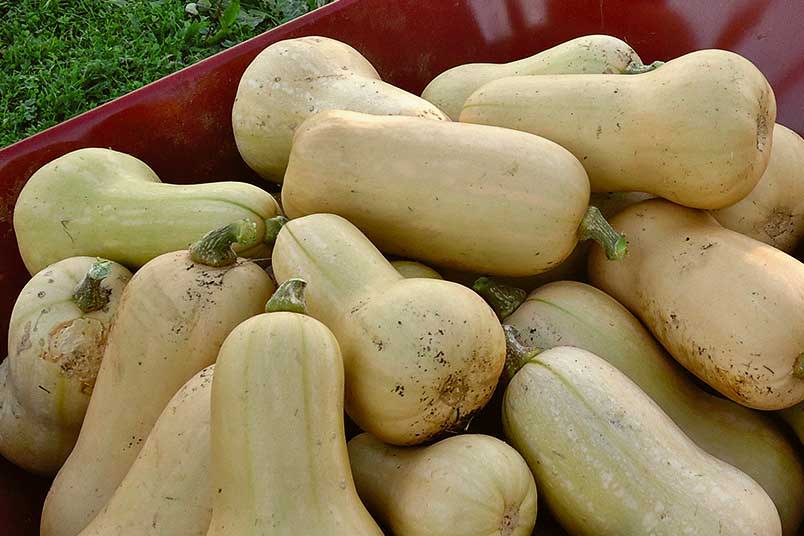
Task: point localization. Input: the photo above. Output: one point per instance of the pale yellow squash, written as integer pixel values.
(725, 306)
(56, 338)
(608, 460)
(421, 355)
(410, 269)
(586, 54)
(279, 459)
(568, 313)
(296, 78)
(774, 210)
(466, 485)
(696, 131)
(167, 491)
(467, 197)
(172, 319)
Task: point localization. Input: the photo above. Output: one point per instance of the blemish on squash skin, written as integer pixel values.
(77, 347)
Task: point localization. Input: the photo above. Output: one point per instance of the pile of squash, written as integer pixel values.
(638, 360)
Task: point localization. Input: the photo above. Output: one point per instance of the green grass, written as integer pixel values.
(59, 58)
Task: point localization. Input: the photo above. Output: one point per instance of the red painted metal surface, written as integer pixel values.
(180, 125)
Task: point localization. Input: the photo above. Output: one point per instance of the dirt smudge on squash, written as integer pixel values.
(77, 347)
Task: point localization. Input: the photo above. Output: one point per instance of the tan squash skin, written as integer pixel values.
(696, 131)
(421, 355)
(586, 54)
(465, 485)
(172, 319)
(724, 305)
(794, 416)
(608, 460)
(167, 490)
(55, 350)
(279, 459)
(428, 182)
(293, 79)
(567, 313)
(774, 210)
(411, 269)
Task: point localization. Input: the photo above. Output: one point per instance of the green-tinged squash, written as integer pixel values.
(466, 485)
(432, 189)
(697, 131)
(167, 491)
(411, 269)
(294, 79)
(774, 210)
(109, 204)
(172, 319)
(568, 313)
(279, 459)
(724, 305)
(608, 460)
(56, 338)
(582, 55)
(421, 355)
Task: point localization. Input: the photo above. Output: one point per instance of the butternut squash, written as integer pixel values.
(172, 319)
(723, 305)
(410, 269)
(774, 210)
(279, 459)
(427, 182)
(465, 485)
(568, 313)
(56, 337)
(697, 130)
(296, 78)
(608, 460)
(794, 416)
(109, 204)
(167, 491)
(421, 355)
(582, 55)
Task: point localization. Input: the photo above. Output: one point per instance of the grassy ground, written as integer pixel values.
(59, 58)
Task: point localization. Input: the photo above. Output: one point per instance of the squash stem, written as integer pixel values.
(289, 297)
(517, 355)
(595, 227)
(504, 299)
(89, 295)
(637, 67)
(798, 367)
(272, 228)
(215, 247)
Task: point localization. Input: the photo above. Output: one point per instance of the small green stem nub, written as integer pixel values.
(595, 227)
(272, 228)
(504, 299)
(517, 355)
(798, 367)
(289, 297)
(89, 295)
(215, 247)
(637, 67)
